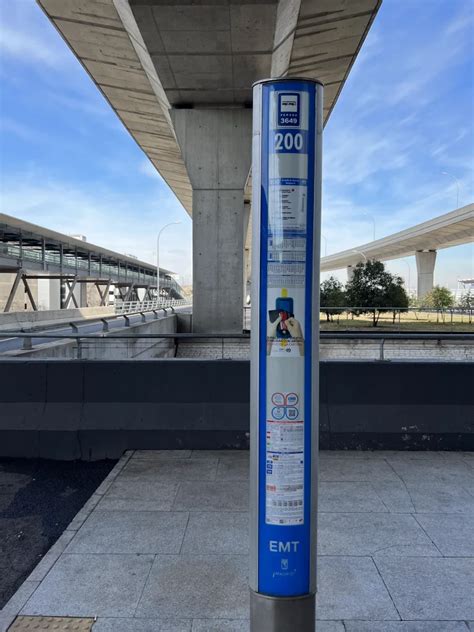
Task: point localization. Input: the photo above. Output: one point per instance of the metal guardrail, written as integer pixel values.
(380, 337)
(399, 310)
(383, 337)
(130, 307)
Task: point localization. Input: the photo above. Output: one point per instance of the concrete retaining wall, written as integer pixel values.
(110, 349)
(22, 321)
(94, 410)
(333, 349)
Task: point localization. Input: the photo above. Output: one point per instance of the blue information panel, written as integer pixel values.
(285, 338)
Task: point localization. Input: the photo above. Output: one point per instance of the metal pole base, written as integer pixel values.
(282, 614)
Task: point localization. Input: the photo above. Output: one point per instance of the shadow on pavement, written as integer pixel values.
(38, 499)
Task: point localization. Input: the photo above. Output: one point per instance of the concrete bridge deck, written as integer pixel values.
(163, 546)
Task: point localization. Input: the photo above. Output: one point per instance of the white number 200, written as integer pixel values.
(288, 141)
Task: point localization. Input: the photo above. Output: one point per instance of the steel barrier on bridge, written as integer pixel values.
(130, 307)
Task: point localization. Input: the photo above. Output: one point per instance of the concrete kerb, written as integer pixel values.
(16, 603)
(13, 607)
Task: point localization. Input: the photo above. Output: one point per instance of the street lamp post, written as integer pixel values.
(456, 180)
(158, 258)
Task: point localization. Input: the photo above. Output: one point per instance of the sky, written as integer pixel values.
(404, 117)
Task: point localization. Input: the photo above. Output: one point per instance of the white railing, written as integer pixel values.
(130, 307)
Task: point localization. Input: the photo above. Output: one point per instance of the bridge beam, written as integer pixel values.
(425, 264)
(216, 147)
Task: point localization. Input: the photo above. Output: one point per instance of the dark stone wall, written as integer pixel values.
(97, 409)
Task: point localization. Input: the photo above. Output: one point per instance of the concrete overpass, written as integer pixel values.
(179, 76)
(422, 241)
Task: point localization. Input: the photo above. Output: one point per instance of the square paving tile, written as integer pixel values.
(135, 495)
(394, 495)
(439, 469)
(131, 532)
(142, 625)
(233, 469)
(159, 455)
(329, 626)
(5, 621)
(91, 585)
(201, 496)
(365, 455)
(197, 586)
(349, 497)
(351, 588)
(405, 626)
(44, 565)
(220, 625)
(355, 470)
(438, 497)
(372, 534)
(190, 508)
(453, 534)
(224, 533)
(171, 470)
(420, 456)
(430, 588)
(219, 454)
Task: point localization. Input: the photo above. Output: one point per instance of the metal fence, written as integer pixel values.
(83, 339)
(397, 315)
(130, 307)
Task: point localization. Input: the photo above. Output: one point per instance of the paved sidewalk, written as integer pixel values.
(162, 546)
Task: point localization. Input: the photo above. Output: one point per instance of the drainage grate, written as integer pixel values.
(50, 624)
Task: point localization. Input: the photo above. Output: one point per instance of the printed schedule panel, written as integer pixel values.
(287, 155)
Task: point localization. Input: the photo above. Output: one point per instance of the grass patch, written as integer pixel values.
(407, 321)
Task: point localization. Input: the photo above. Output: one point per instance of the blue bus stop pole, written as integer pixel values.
(286, 207)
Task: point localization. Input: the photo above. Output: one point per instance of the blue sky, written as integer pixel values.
(405, 116)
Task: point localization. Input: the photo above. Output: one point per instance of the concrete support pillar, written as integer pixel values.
(82, 300)
(350, 273)
(425, 264)
(54, 294)
(216, 148)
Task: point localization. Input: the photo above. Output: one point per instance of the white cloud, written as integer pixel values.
(27, 47)
(108, 219)
(462, 22)
(26, 133)
(357, 153)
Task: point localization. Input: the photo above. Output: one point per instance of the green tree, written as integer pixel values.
(397, 296)
(466, 301)
(374, 290)
(332, 295)
(439, 298)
